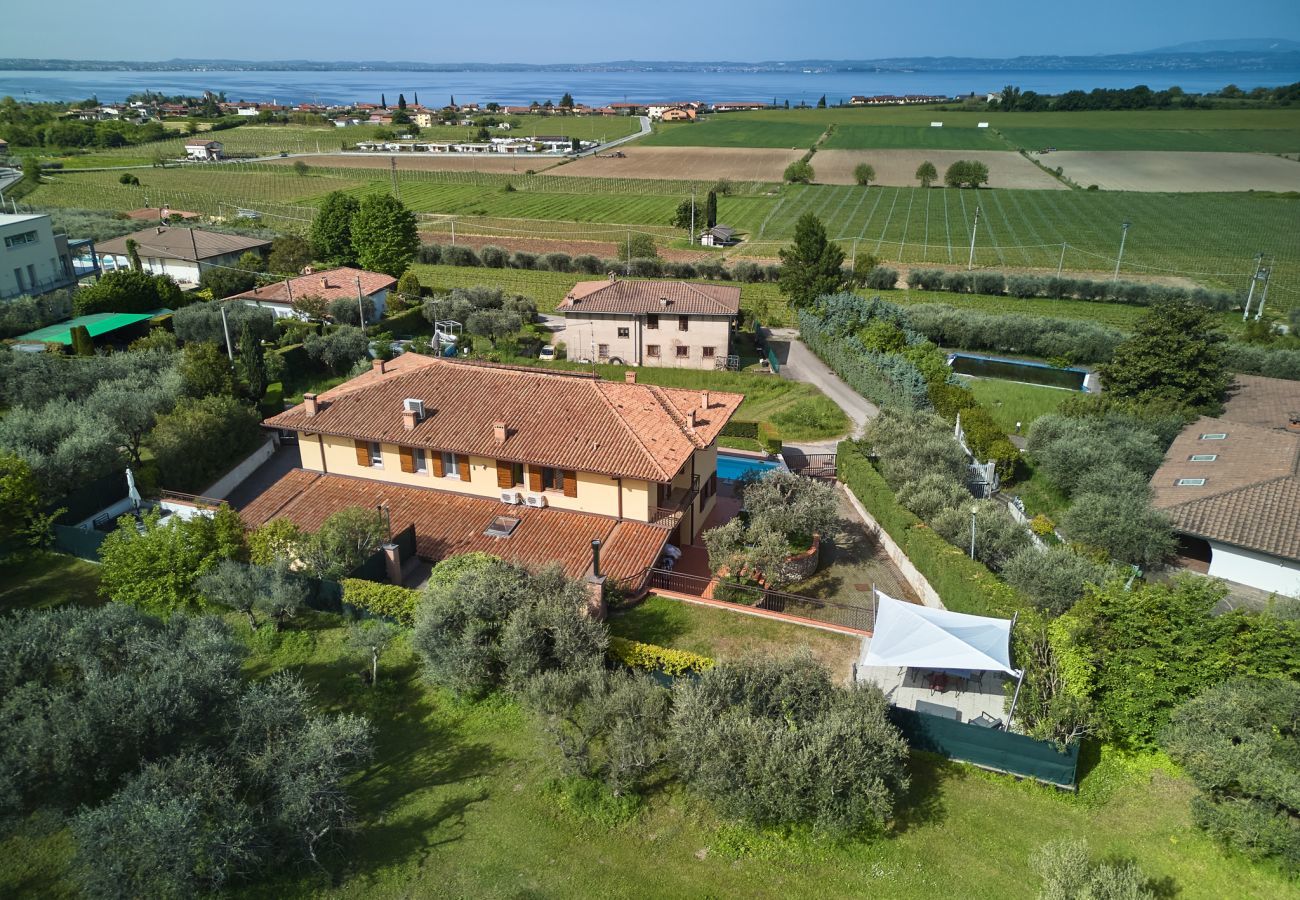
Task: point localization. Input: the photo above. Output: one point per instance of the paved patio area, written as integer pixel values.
(964, 699)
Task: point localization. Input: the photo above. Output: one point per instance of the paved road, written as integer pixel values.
(799, 364)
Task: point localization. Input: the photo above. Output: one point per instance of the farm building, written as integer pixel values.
(1230, 485)
(203, 151)
(182, 253)
(651, 323)
(718, 236)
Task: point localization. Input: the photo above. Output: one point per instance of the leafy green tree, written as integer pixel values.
(300, 168)
(1175, 355)
(371, 638)
(926, 174)
(1070, 873)
(384, 235)
(338, 349)
(829, 757)
(408, 292)
(251, 364)
(227, 282)
(966, 173)
(812, 266)
(344, 541)
(277, 540)
(31, 171)
(128, 291)
(133, 255)
(272, 590)
(566, 101)
(638, 245)
(206, 371)
(178, 828)
(201, 438)
(864, 174)
(203, 322)
(552, 633)
(1237, 741)
(863, 265)
(331, 230)
(683, 216)
(132, 407)
(799, 172)
(609, 726)
(22, 522)
(290, 254)
(348, 311)
(1125, 525)
(821, 102)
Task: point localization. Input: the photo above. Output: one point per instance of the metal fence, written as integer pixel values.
(828, 611)
(811, 465)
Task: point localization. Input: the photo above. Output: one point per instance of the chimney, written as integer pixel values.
(690, 419)
(324, 281)
(704, 399)
(499, 432)
(664, 301)
(309, 401)
(630, 376)
(377, 365)
(1293, 423)
(409, 418)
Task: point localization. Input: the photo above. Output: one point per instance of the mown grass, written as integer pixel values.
(890, 137)
(735, 130)
(46, 580)
(461, 801)
(1010, 402)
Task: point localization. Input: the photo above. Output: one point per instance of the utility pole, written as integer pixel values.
(627, 269)
(692, 217)
(970, 263)
(972, 532)
(1061, 265)
(225, 328)
(392, 169)
(1254, 280)
(361, 310)
(1123, 236)
(1263, 297)
(453, 231)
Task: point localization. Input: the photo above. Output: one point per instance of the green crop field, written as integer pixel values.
(735, 130)
(1272, 140)
(887, 137)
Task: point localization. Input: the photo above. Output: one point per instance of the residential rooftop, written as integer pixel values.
(192, 244)
(328, 284)
(675, 298)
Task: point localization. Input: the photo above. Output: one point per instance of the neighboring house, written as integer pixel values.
(33, 259)
(1231, 485)
(718, 236)
(678, 114)
(182, 253)
(527, 464)
(651, 323)
(329, 285)
(740, 106)
(203, 151)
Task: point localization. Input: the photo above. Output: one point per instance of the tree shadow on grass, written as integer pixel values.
(649, 623)
(923, 803)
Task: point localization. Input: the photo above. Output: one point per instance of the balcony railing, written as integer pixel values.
(675, 505)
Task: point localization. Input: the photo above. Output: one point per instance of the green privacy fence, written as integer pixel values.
(1001, 751)
(79, 542)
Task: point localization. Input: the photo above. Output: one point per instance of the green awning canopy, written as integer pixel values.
(97, 324)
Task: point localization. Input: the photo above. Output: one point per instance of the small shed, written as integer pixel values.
(718, 236)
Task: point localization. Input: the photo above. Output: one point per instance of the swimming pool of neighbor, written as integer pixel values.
(732, 467)
(1019, 370)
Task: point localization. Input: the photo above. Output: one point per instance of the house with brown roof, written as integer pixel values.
(182, 253)
(528, 464)
(328, 285)
(651, 323)
(200, 150)
(1231, 485)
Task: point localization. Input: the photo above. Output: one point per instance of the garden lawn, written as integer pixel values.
(722, 634)
(460, 802)
(1010, 402)
(46, 580)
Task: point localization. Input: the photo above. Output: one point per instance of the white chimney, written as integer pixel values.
(690, 418)
(630, 376)
(704, 399)
(499, 432)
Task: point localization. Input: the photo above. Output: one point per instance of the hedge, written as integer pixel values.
(964, 585)
(388, 600)
(1135, 293)
(654, 658)
(296, 360)
(886, 379)
(404, 324)
(738, 429)
(273, 400)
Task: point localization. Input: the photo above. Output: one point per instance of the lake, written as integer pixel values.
(597, 88)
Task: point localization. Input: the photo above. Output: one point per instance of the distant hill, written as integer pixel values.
(1240, 45)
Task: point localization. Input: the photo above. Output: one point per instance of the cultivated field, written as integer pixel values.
(735, 130)
(863, 137)
(1192, 139)
(1177, 171)
(677, 163)
(508, 163)
(898, 167)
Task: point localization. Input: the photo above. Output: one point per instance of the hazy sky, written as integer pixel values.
(598, 30)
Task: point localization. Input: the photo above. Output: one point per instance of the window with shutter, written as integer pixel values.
(534, 479)
(408, 459)
(463, 461)
(436, 459)
(505, 474)
(363, 453)
(570, 483)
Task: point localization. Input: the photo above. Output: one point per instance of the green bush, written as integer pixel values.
(740, 429)
(273, 399)
(389, 600)
(654, 658)
(965, 585)
(404, 324)
(769, 437)
(296, 361)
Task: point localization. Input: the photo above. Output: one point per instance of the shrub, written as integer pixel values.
(1070, 339)
(343, 542)
(429, 254)
(653, 658)
(930, 494)
(881, 278)
(558, 262)
(990, 283)
(747, 272)
(459, 255)
(959, 282)
(200, 439)
(522, 259)
(588, 264)
(1054, 578)
(494, 257)
(799, 172)
(926, 279)
(1125, 525)
(1070, 873)
(389, 600)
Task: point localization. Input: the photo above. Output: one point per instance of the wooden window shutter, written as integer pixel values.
(408, 459)
(363, 453)
(435, 463)
(570, 483)
(505, 477)
(462, 460)
(535, 479)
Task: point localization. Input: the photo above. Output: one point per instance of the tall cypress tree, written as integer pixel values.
(711, 209)
(252, 363)
(401, 101)
(383, 102)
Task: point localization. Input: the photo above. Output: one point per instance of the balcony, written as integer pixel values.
(674, 505)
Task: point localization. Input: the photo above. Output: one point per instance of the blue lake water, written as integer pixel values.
(598, 88)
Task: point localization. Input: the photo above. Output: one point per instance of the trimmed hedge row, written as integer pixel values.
(1024, 286)
(1071, 339)
(964, 584)
(654, 658)
(405, 324)
(1271, 362)
(739, 429)
(387, 600)
(886, 379)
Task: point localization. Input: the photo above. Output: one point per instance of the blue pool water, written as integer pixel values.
(731, 468)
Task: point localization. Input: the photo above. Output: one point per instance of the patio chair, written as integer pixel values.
(984, 720)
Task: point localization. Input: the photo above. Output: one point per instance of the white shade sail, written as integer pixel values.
(919, 637)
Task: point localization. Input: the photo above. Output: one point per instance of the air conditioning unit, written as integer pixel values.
(411, 404)
(536, 501)
(514, 498)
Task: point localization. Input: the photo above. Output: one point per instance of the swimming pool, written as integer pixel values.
(1019, 370)
(731, 468)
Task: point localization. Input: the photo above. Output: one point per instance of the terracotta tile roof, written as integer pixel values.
(181, 243)
(447, 523)
(553, 418)
(1251, 494)
(670, 298)
(329, 284)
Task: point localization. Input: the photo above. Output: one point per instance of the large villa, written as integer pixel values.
(526, 464)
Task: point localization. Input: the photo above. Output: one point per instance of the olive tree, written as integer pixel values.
(370, 639)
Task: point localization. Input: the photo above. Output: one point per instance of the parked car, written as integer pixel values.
(547, 353)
